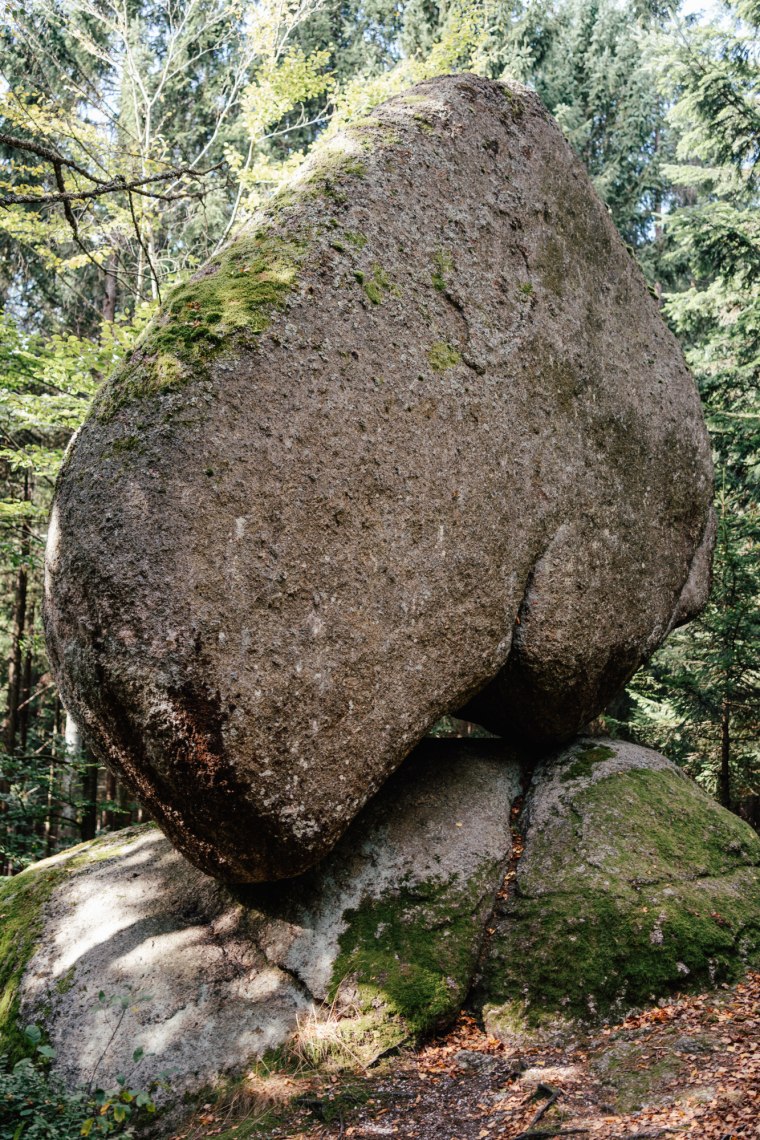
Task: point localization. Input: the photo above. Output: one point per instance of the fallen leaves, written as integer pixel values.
(693, 1068)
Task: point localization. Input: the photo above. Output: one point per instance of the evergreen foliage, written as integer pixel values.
(700, 697)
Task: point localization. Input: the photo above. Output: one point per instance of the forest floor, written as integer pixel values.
(689, 1068)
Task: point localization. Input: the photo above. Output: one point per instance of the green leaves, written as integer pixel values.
(698, 698)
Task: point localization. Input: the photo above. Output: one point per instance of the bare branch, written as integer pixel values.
(49, 153)
(116, 185)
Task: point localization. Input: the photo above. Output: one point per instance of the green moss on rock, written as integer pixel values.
(632, 1078)
(376, 284)
(443, 262)
(357, 240)
(636, 886)
(443, 356)
(233, 299)
(22, 903)
(410, 957)
(585, 760)
(22, 899)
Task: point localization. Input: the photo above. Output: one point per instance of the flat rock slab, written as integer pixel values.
(633, 884)
(420, 434)
(136, 948)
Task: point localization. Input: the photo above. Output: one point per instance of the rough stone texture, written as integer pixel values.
(633, 883)
(212, 978)
(421, 428)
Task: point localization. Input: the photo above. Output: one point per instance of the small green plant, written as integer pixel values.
(443, 262)
(35, 1105)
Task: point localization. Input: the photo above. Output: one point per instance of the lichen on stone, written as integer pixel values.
(443, 356)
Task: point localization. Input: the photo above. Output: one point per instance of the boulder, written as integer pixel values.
(121, 944)
(419, 433)
(633, 884)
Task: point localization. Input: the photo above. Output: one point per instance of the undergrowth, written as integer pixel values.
(35, 1104)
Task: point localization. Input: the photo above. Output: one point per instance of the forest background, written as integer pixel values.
(138, 136)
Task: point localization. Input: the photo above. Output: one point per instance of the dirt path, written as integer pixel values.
(691, 1068)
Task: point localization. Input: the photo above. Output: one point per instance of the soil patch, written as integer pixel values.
(690, 1067)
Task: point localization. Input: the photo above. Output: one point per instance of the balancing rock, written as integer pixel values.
(376, 946)
(420, 434)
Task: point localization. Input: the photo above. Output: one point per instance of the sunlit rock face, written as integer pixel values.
(421, 434)
(205, 980)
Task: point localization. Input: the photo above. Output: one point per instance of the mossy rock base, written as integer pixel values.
(122, 944)
(634, 884)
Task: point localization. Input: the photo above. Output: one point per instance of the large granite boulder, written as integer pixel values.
(420, 433)
(121, 944)
(633, 884)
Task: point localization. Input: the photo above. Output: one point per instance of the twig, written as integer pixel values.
(34, 695)
(651, 1135)
(143, 246)
(120, 184)
(542, 1133)
(52, 155)
(554, 1095)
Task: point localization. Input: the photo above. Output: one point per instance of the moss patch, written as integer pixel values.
(443, 262)
(639, 886)
(410, 957)
(376, 284)
(349, 239)
(232, 300)
(443, 356)
(371, 134)
(583, 762)
(22, 899)
(635, 828)
(632, 1080)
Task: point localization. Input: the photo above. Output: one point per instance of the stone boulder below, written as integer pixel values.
(122, 944)
(633, 884)
(421, 433)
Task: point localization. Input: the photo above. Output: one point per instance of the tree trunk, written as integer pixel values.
(724, 777)
(15, 666)
(111, 818)
(67, 825)
(109, 298)
(25, 706)
(89, 825)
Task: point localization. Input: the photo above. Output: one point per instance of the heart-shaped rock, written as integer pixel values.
(421, 428)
